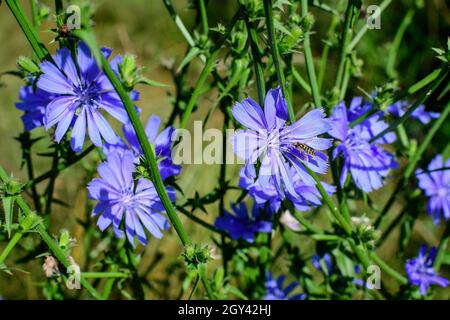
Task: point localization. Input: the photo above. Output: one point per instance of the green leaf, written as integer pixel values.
(28, 65)
(8, 207)
(194, 52)
(150, 82)
(235, 291)
(344, 263)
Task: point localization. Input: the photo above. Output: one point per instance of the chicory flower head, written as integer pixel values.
(279, 146)
(420, 270)
(367, 161)
(275, 291)
(122, 198)
(436, 185)
(81, 91)
(241, 224)
(399, 108)
(161, 141)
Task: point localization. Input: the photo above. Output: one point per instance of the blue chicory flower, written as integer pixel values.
(367, 161)
(275, 291)
(241, 224)
(399, 108)
(436, 185)
(279, 146)
(161, 141)
(420, 270)
(81, 93)
(118, 195)
(33, 103)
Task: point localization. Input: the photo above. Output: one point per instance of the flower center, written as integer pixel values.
(88, 95)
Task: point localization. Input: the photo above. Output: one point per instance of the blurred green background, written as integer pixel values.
(144, 28)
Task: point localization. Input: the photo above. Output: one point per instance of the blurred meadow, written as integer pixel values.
(144, 28)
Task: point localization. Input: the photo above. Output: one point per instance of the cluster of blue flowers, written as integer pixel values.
(72, 95)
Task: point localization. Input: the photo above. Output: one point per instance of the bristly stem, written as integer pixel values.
(309, 59)
(276, 57)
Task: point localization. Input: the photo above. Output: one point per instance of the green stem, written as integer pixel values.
(443, 245)
(365, 27)
(53, 246)
(302, 82)
(60, 167)
(423, 97)
(147, 148)
(59, 8)
(407, 19)
(259, 73)
(408, 92)
(333, 208)
(386, 268)
(194, 288)
(34, 15)
(309, 59)
(276, 57)
(176, 18)
(109, 283)
(207, 69)
(11, 244)
(209, 66)
(200, 221)
(345, 38)
(426, 141)
(326, 50)
(410, 167)
(203, 16)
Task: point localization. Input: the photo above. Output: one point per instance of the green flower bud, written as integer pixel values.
(28, 65)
